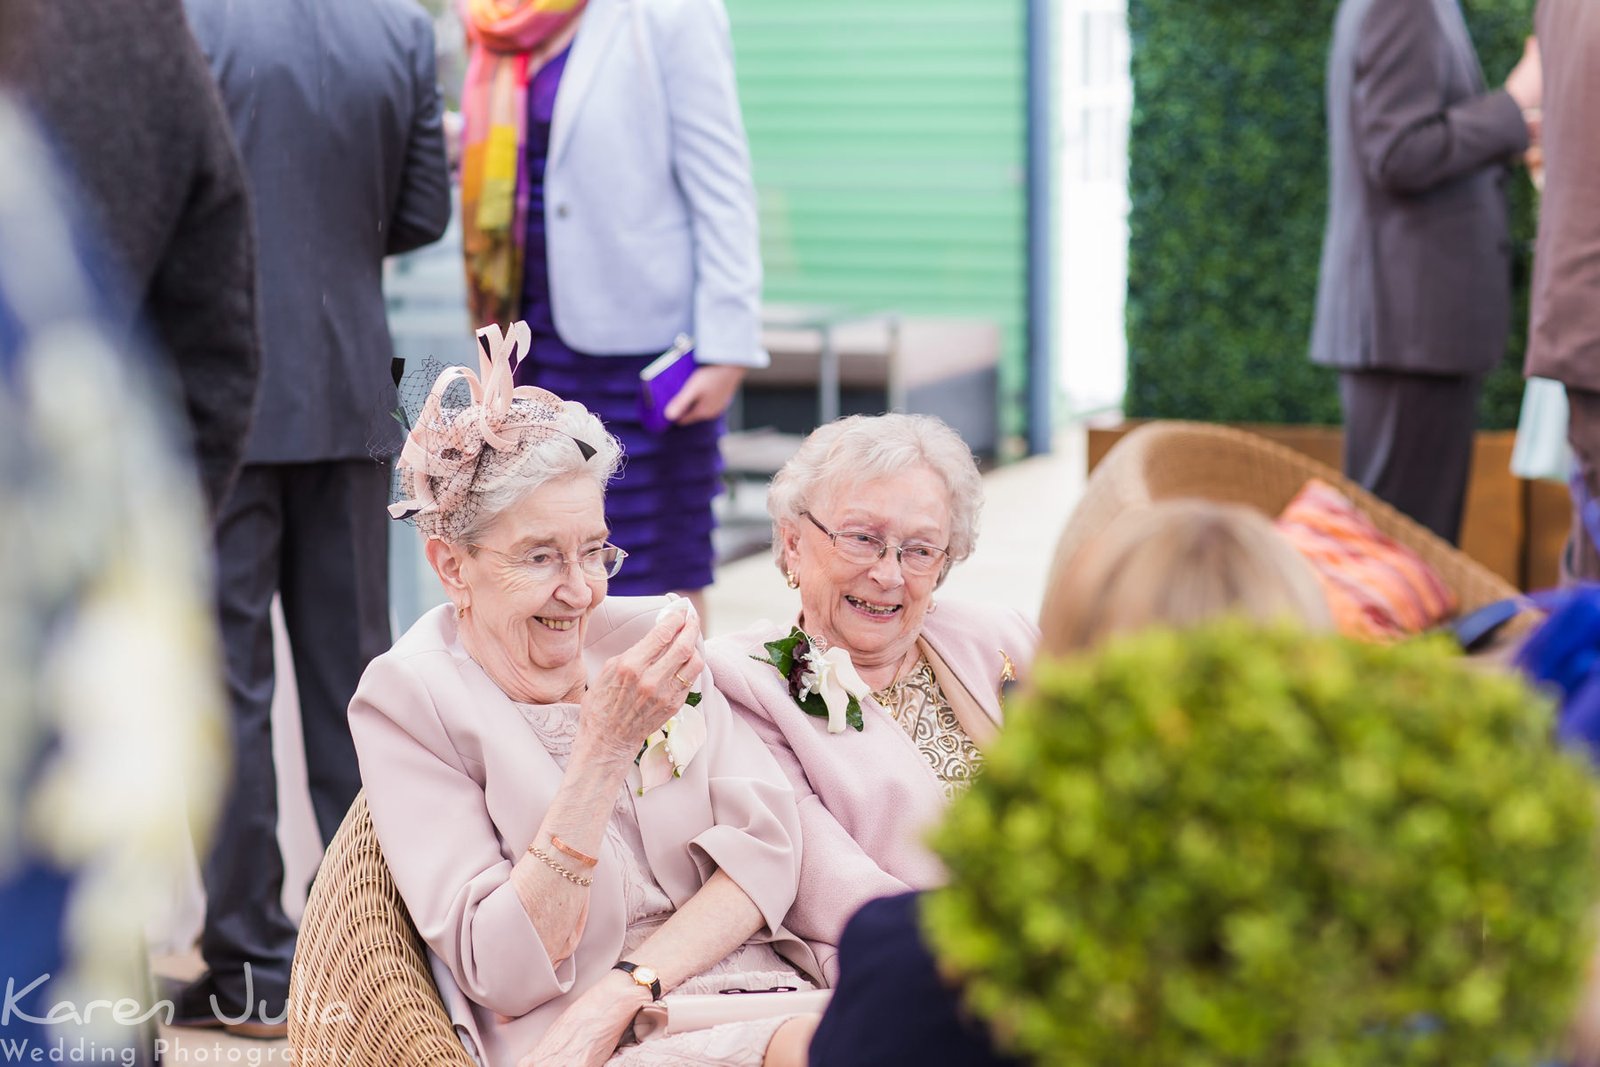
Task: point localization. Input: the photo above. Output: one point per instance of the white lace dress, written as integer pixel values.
(751, 966)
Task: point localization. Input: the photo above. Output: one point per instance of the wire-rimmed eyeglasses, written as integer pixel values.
(858, 546)
(543, 564)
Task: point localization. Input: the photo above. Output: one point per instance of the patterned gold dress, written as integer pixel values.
(919, 706)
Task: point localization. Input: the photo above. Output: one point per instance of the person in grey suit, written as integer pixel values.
(126, 101)
(337, 113)
(1414, 300)
(1564, 330)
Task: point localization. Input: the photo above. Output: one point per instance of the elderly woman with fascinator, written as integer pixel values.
(876, 700)
(574, 816)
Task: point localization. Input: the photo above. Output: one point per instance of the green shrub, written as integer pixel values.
(1254, 848)
(1227, 173)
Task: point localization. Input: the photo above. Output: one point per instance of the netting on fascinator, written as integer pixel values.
(473, 431)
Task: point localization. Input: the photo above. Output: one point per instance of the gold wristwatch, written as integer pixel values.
(645, 976)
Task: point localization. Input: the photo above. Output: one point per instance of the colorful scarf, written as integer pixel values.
(511, 40)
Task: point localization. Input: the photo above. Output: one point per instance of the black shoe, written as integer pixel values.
(201, 1005)
(191, 1001)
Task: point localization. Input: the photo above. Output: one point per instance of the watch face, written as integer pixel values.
(644, 975)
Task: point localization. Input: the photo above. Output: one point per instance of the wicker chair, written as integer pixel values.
(1164, 460)
(360, 991)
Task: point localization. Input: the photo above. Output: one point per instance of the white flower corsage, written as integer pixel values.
(822, 680)
(668, 751)
(665, 753)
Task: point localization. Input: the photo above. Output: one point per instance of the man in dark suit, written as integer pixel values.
(1414, 303)
(1564, 333)
(337, 113)
(124, 97)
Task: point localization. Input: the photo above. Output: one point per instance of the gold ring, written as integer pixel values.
(686, 685)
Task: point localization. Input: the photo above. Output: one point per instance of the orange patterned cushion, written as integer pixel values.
(1377, 589)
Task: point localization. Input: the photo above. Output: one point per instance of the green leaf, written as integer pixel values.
(852, 714)
(780, 653)
(813, 704)
(693, 700)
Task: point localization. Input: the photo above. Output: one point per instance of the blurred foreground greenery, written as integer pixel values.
(1239, 847)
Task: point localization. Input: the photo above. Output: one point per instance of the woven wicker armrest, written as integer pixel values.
(360, 992)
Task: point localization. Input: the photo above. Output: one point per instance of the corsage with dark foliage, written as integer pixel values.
(822, 680)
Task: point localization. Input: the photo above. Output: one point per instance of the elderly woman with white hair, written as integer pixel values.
(877, 700)
(573, 831)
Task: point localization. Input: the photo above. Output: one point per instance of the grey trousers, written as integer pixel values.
(1408, 440)
(316, 534)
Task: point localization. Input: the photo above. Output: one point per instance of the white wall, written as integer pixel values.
(1096, 97)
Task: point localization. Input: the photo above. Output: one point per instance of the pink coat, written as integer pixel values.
(458, 783)
(866, 798)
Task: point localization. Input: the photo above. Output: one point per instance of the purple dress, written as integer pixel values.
(659, 506)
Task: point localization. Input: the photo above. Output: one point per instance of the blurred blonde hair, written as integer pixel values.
(1179, 563)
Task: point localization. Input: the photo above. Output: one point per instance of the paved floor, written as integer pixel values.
(1025, 506)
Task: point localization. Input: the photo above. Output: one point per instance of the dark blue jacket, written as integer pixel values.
(890, 1006)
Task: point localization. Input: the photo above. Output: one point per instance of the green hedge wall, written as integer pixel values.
(1228, 181)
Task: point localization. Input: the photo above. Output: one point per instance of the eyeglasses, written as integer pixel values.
(543, 564)
(858, 546)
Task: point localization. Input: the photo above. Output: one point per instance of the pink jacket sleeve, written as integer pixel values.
(755, 836)
(429, 811)
(836, 875)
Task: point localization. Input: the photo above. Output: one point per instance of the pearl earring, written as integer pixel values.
(794, 582)
(461, 611)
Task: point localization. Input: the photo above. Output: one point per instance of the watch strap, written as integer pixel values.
(627, 968)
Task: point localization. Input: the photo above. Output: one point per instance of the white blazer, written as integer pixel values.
(650, 211)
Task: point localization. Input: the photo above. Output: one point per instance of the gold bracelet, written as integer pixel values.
(576, 879)
(572, 853)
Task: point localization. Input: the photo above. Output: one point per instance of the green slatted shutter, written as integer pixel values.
(890, 150)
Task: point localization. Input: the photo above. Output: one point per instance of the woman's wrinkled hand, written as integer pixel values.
(640, 689)
(586, 1034)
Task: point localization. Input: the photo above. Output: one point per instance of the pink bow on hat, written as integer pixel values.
(443, 450)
